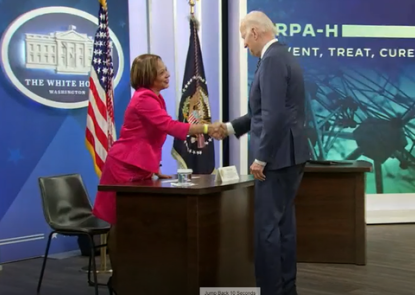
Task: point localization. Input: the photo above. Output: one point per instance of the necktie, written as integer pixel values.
(258, 64)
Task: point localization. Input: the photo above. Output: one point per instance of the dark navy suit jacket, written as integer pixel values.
(276, 113)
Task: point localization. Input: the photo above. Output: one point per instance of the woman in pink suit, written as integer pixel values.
(136, 155)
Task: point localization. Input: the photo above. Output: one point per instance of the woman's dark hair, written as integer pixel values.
(144, 71)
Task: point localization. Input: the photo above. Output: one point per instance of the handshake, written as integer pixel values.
(218, 130)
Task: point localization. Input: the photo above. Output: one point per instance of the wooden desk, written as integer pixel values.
(330, 207)
(174, 240)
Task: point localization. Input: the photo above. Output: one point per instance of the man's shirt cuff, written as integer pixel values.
(230, 129)
(260, 162)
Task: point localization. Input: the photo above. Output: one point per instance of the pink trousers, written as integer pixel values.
(115, 172)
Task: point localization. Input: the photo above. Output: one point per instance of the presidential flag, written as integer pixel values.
(100, 128)
(196, 152)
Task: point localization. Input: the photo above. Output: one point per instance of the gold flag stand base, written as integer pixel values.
(102, 267)
(100, 270)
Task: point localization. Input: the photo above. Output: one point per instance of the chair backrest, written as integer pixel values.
(65, 200)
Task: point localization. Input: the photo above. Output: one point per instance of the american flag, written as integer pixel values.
(100, 129)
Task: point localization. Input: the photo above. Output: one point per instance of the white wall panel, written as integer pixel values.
(238, 84)
(162, 27)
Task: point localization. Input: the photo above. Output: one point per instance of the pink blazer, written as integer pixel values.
(146, 126)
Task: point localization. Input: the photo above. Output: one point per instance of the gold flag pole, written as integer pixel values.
(104, 237)
(104, 265)
(103, 3)
(192, 4)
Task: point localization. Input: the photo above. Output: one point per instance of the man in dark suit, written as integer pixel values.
(279, 150)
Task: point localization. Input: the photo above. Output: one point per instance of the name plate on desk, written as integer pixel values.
(227, 174)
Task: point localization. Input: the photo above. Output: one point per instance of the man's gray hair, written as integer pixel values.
(260, 21)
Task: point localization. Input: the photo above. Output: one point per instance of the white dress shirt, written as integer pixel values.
(229, 126)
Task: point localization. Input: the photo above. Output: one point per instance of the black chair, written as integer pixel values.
(68, 212)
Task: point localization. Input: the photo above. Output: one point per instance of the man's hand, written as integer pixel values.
(257, 170)
(218, 130)
(162, 176)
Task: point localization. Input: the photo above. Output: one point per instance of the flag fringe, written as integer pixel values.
(195, 21)
(180, 161)
(91, 150)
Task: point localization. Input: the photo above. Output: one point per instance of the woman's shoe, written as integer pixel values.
(110, 288)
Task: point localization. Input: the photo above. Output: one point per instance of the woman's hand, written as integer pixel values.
(162, 176)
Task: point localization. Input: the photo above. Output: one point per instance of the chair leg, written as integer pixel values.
(89, 271)
(39, 285)
(94, 265)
